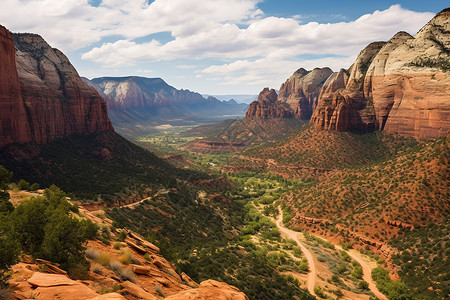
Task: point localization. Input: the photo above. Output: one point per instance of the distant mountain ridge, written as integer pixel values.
(401, 87)
(140, 102)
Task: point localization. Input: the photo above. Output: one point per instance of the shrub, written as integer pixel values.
(104, 259)
(363, 285)
(23, 185)
(126, 258)
(121, 236)
(92, 253)
(117, 246)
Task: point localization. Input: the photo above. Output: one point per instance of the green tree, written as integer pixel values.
(63, 239)
(28, 223)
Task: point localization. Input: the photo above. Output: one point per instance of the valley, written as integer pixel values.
(334, 186)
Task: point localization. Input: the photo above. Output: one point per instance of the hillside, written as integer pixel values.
(375, 203)
(231, 136)
(82, 255)
(331, 150)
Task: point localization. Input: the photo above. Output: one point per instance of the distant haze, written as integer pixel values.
(247, 99)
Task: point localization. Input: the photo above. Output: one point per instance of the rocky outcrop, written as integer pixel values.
(400, 87)
(267, 107)
(342, 105)
(42, 96)
(302, 90)
(53, 286)
(210, 289)
(409, 83)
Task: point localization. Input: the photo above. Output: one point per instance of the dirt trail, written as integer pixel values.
(131, 205)
(311, 278)
(367, 267)
(366, 264)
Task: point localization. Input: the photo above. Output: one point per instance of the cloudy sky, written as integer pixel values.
(213, 46)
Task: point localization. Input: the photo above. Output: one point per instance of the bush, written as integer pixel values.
(104, 259)
(92, 254)
(23, 185)
(363, 285)
(126, 258)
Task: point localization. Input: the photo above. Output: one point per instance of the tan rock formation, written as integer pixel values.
(400, 87)
(210, 289)
(301, 91)
(267, 107)
(409, 84)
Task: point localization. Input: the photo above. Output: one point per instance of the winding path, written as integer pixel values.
(311, 278)
(364, 262)
(367, 271)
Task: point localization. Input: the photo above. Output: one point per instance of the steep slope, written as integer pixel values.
(14, 124)
(410, 188)
(301, 91)
(57, 102)
(138, 103)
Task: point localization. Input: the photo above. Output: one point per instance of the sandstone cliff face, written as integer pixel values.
(409, 83)
(342, 105)
(267, 107)
(41, 94)
(14, 125)
(57, 101)
(400, 87)
(301, 91)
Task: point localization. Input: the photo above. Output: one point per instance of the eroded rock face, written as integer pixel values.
(267, 107)
(409, 83)
(58, 102)
(14, 126)
(41, 94)
(301, 91)
(342, 105)
(400, 87)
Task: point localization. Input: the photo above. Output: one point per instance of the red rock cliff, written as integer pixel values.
(14, 126)
(400, 87)
(42, 94)
(267, 107)
(301, 91)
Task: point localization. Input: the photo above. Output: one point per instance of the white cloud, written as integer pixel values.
(254, 48)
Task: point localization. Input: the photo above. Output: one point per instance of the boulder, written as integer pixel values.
(210, 289)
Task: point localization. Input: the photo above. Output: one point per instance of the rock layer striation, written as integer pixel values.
(401, 87)
(42, 95)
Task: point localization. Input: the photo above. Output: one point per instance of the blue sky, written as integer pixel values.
(213, 46)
